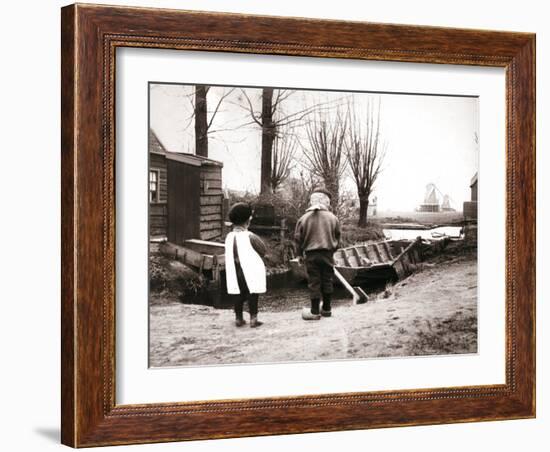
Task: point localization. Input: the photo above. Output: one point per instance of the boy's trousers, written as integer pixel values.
(320, 272)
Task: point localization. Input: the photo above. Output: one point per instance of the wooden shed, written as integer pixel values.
(185, 195)
(195, 198)
(158, 187)
(470, 207)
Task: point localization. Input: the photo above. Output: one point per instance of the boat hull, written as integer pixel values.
(367, 264)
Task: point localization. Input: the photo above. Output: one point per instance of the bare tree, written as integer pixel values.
(325, 156)
(283, 153)
(269, 130)
(365, 153)
(203, 118)
(273, 120)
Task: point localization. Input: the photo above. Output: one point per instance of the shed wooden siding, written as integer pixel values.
(158, 162)
(158, 211)
(211, 202)
(158, 219)
(470, 207)
(191, 200)
(473, 188)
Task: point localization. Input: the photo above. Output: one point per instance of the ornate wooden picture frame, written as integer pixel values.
(90, 37)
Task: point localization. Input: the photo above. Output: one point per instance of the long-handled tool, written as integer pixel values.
(358, 294)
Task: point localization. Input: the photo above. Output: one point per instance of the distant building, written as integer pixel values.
(446, 206)
(373, 207)
(470, 207)
(473, 188)
(185, 195)
(431, 201)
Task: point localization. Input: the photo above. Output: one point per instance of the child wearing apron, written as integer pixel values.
(244, 268)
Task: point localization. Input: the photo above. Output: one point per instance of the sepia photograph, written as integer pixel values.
(295, 225)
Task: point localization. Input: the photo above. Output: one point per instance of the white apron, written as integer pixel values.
(251, 263)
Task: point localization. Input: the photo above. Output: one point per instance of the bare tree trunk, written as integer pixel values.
(333, 187)
(201, 121)
(363, 210)
(268, 135)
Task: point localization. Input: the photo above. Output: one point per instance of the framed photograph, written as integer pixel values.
(281, 225)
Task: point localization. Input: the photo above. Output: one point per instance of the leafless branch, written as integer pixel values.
(282, 163)
(325, 152)
(365, 152)
(220, 101)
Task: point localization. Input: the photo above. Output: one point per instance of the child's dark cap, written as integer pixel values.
(240, 213)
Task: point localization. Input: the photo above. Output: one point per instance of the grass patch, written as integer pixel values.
(172, 278)
(454, 335)
(353, 234)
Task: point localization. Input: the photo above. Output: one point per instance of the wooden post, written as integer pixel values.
(215, 269)
(283, 229)
(225, 209)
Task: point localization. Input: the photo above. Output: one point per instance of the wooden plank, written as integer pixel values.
(356, 257)
(207, 225)
(211, 184)
(345, 258)
(157, 209)
(377, 252)
(158, 221)
(399, 269)
(211, 170)
(388, 250)
(383, 253)
(211, 234)
(210, 200)
(212, 217)
(211, 177)
(208, 210)
(216, 181)
(371, 255)
(205, 247)
(212, 192)
(186, 255)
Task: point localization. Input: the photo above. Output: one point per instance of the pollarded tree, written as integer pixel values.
(282, 158)
(365, 153)
(274, 120)
(325, 156)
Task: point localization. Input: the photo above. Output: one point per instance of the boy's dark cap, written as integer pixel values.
(240, 213)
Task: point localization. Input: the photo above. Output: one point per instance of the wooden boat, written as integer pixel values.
(389, 260)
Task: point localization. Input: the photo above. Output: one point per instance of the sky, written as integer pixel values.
(429, 139)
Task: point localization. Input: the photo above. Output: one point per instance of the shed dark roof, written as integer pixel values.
(156, 147)
(192, 159)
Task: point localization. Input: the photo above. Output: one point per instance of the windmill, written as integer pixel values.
(432, 201)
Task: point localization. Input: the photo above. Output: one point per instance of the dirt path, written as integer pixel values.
(432, 312)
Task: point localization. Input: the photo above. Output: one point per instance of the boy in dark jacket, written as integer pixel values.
(317, 237)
